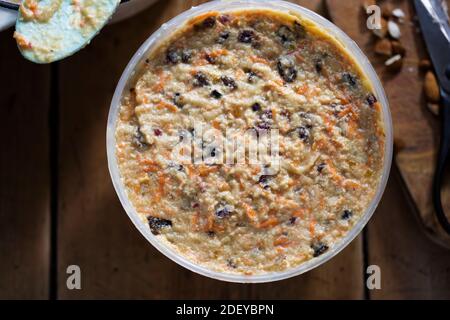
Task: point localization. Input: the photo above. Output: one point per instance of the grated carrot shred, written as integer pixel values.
(271, 222)
(165, 105)
(251, 213)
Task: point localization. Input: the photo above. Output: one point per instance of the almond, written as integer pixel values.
(398, 48)
(398, 13)
(431, 88)
(383, 47)
(394, 30)
(394, 63)
(433, 108)
(424, 65)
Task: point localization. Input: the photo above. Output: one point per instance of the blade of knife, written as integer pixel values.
(435, 28)
(14, 4)
(9, 4)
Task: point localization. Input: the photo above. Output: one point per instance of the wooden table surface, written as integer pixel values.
(58, 206)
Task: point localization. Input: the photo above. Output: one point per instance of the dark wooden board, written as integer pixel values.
(411, 263)
(416, 130)
(24, 175)
(94, 231)
(412, 266)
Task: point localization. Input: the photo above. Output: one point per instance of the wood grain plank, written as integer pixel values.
(412, 266)
(95, 233)
(24, 175)
(340, 278)
(420, 132)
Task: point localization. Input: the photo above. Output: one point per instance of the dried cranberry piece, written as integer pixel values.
(263, 125)
(286, 35)
(320, 167)
(209, 22)
(371, 99)
(347, 214)
(173, 56)
(264, 181)
(256, 107)
(224, 18)
(266, 120)
(318, 65)
(251, 76)
(231, 264)
(186, 56)
(216, 94)
(223, 36)
(156, 224)
(139, 139)
(349, 79)
(157, 132)
(286, 68)
(299, 30)
(246, 36)
(223, 211)
(304, 115)
(319, 248)
(229, 82)
(200, 79)
(303, 133)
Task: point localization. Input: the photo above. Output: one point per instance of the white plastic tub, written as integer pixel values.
(224, 6)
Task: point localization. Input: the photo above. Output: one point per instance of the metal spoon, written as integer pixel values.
(60, 28)
(13, 5)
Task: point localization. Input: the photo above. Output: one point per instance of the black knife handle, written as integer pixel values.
(443, 159)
